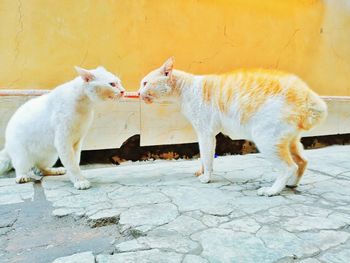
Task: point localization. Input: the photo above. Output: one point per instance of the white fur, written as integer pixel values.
(54, 125)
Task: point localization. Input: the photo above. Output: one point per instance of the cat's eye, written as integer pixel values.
(113, 84)
(145, 83)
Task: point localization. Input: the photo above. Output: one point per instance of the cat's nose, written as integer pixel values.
(122, 92)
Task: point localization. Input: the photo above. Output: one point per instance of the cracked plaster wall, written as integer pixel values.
(40, 41)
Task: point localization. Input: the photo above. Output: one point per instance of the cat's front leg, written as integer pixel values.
(77, 150)
(68, 158)
(206, 148)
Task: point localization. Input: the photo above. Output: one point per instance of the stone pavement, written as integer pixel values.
(162, 213)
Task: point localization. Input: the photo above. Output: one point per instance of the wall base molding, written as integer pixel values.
(115, 122)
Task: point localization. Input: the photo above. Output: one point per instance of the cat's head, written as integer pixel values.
(158, 83)
(100, 84)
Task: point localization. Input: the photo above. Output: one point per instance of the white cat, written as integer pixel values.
(55, 124)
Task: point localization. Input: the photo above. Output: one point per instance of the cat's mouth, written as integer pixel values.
(118, 95)
(147, 99)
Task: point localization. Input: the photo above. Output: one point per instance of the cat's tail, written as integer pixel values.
(5, 162)
(315, 112)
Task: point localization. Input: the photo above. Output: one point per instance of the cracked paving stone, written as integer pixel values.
(12, 193)
(336, 197)
(309, 260)
(8, 219)
(184, 225)
(311, 177)
(80, 201)
(86, 257)
(246, 175)
(104, 217)
(93, 209)
(147, 256)
(253, 204)
(301, 245)
(214, 221)
(283, 211)
(325, 239)
(223, 245)
(194, 259)
(208, 200)
(266, 219)
(160, 239)
(7, 182)
(155, 214)
(287, 244)
(339, 255)
(61, 212)
(306, 223)
(246, 224)
(298, 210)
(4, 230)
(138, 198)
(339, 187)
(172, 217)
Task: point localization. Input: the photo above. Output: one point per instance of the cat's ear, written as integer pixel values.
(85, 74)
(168, 66)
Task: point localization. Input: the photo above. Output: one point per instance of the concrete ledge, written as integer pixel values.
(157, 124)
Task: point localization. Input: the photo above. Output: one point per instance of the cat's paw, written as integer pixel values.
(204, 178)
(59, 171)
(267, 191)
(292, 182)
(82, 184)
(22, 180)
(198, 173)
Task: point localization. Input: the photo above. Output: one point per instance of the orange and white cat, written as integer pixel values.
(268, 107)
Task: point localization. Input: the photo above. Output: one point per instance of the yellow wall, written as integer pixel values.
(40, 40)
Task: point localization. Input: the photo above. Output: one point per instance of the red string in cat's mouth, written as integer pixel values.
(131, 95)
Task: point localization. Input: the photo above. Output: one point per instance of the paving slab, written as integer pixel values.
(86, 257)
(164, 214)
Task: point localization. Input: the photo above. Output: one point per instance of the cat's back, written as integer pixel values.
(265, 80)
(36, 114)
(29, 113)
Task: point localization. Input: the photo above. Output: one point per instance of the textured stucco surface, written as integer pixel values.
(41, 41)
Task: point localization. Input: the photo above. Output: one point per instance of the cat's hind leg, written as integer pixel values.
(279, 154)
(296, 149)
(46, 163)
(21, 160)
(53, 171)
